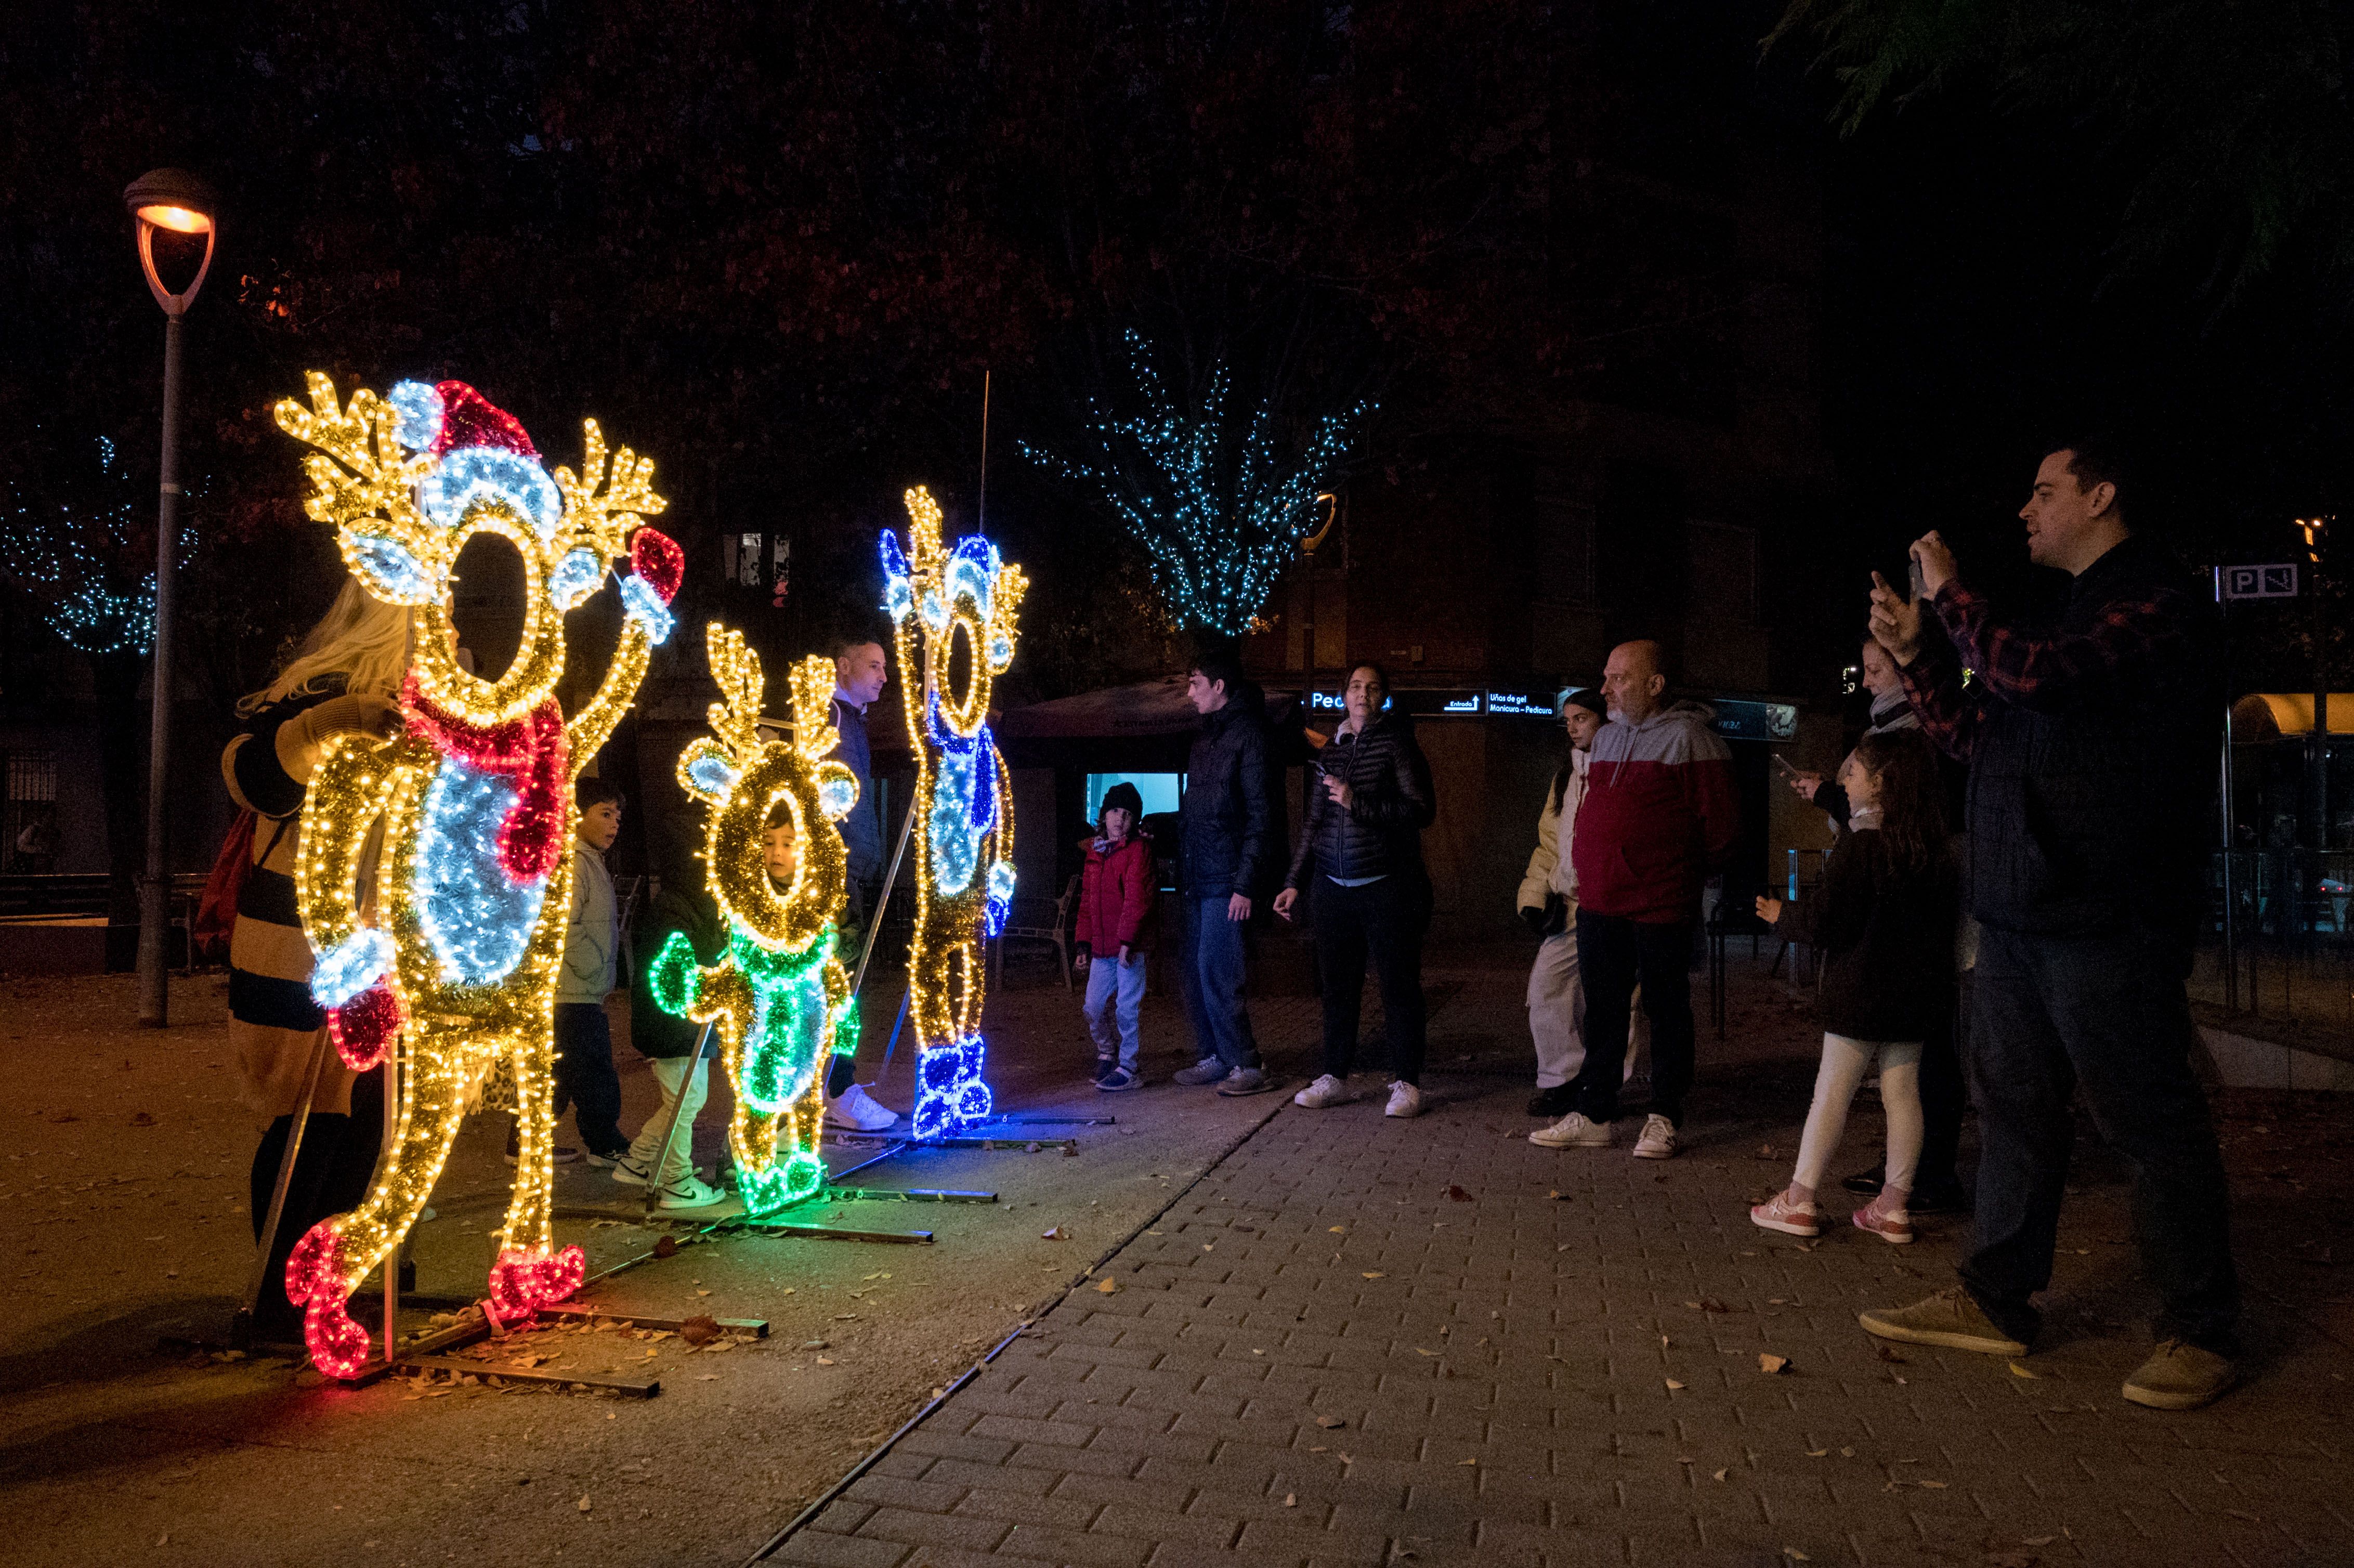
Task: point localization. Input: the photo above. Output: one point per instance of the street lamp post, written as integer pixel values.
(176, 201)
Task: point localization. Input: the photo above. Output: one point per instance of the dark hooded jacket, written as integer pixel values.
(1227, 839)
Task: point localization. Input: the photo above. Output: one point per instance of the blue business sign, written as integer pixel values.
(1521, 705)
(1738, 720)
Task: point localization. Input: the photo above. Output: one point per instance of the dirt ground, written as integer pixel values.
(125, 1222)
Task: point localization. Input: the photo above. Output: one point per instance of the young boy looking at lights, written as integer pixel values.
(585, 1078)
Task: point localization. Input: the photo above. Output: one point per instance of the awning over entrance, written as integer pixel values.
(2268, 715)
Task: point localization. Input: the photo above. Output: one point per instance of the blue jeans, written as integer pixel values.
(1115, 1001)
(1213, 970)
(585, 1079)
(2107, 1015)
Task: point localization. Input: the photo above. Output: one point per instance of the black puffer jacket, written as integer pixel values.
(1228, 831)
(1886, 940)
(1381, 832)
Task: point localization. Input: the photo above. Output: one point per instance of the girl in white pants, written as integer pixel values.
(1884, 924)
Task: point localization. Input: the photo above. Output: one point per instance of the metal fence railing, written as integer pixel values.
(2277, 942)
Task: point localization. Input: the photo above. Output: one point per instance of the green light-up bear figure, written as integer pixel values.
(778, 995)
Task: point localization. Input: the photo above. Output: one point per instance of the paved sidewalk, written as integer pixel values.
(1512, 1376)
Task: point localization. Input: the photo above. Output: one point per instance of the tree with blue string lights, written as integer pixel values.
(1218, 504)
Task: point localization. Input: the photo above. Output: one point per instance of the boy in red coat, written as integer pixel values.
(1117, 892)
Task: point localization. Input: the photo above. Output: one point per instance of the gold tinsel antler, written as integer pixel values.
(809, 685)
(735, 669)
(628, 499)
(373, 479)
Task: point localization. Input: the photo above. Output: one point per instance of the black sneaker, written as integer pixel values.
(1944, 1196)
(1867, 1183)
(1555, 1102)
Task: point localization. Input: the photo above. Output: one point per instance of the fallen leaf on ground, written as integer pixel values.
(1719, 1475)
(1673, 1383)
(1932, 1485)
(1053, 1233)
(826, 1360)
(2018, 1371)
(1888, 1355)
(1420, 1351)
(1374, 1275)
(1331, 1423)
(1817, 1452)
(1104, 1287)
(666, 1247)
(1462, 1462)
(1795, 1556)
(1458, 1193)
(583, 1504)
(1770, 1363)
(141, 1119)
(1337, 1230)
(699, 1330)
(1291, 1500)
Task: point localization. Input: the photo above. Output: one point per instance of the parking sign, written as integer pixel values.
(2277, 581)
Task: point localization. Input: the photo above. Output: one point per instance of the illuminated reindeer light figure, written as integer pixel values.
(778, 995)
(963, 802)
(458, 940)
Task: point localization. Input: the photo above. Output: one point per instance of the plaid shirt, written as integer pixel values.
(2043, 671)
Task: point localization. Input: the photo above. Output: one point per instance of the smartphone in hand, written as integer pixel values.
(1912, 564)
(1782, 765)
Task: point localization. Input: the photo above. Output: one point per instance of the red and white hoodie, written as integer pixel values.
(1659, 816)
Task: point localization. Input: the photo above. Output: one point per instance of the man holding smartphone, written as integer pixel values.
(2090, 743)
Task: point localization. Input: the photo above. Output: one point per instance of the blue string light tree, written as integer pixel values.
(1216, 503)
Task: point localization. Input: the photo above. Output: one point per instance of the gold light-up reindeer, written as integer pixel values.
(778, 995)
(456, 945)
(963, 800)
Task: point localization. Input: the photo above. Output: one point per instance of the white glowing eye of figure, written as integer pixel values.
(1001, 880)
(1001, 651)
(713, 774)
(574, 578)
(936, 610)
(969, 578)
(836, 796)
(640, 602)
(476, 472)
(397, 574)
(898, 598)
(418, 409)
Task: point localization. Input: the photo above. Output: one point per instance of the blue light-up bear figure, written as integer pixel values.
(778, 995)
(963, 802)
(454, 945)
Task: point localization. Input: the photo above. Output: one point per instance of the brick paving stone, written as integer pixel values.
(1166, 1424)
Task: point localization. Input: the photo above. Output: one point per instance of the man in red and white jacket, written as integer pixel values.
(1659, 817)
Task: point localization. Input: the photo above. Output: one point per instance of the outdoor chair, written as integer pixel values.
(1056, 935)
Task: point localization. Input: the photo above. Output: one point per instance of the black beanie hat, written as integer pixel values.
(1124, 795)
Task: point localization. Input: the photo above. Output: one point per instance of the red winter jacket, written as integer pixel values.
(1116, 893)
(1659, 816)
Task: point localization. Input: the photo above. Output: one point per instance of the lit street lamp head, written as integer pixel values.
(177, 201)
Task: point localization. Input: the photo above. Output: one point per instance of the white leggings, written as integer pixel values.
(1844, 1064)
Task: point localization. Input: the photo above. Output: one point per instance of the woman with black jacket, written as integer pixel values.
(1884, 921)
(1363, 833)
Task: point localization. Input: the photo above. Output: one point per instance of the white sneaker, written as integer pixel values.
(691, 1192)
(1404, 1099)
(857, 1111)
(629, 1172)
(1325, 1091)
(1659, 1140)
(1574, 1131)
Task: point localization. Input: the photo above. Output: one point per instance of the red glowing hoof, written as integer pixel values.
(521, 1283)
(364, 1027)
(339, 1347)
(314, 1269)
(655, 556)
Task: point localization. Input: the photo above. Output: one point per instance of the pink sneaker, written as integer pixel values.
(1778, 1213)
(1896, 1226)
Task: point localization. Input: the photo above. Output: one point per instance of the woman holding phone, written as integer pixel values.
(1362, 843)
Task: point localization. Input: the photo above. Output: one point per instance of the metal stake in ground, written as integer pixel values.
(240, 1327)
